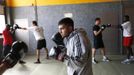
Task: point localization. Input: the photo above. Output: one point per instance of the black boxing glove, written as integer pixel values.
(16, 26)
(120, 27)
(10, 59)
(103, 27)
(57, 38)
(108, 25)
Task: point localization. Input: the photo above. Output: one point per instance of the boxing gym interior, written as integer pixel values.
(19, 14)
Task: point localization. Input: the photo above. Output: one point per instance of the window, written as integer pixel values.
(2, 23)
(2, 17)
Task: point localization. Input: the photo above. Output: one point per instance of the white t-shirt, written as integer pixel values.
(38, 32)
(127, 32)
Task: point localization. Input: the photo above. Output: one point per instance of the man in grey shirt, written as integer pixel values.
(78, 48)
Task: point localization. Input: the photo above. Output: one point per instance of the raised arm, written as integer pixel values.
(97, 32)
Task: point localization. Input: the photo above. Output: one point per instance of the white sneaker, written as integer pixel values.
(126, 61)
(94, 61)
(106, 59)
(132, 58)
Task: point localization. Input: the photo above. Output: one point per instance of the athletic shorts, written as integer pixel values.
(98, 44)
(127, 41)
(41, 44)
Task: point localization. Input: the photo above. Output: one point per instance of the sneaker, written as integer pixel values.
(126, 61)
(132, 58)
(94, 61)
(106, 59)
(37, 62)
(22, 62)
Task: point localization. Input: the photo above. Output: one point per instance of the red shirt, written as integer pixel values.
(7, 37)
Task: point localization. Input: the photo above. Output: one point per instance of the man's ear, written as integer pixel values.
(70, 28)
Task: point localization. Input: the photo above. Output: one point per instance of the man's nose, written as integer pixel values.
(60, 31)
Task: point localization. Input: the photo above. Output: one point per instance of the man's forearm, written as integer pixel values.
(97, 33)
(3, 68)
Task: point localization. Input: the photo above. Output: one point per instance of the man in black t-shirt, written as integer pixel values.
(98, 41)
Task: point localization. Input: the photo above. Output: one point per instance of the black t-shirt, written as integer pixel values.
(97, 28)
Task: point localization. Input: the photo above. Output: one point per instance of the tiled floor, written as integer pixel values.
(53, 67)
(47, 67)
(114, 67)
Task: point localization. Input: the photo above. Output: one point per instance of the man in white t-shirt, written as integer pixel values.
(39, 36)
(127, 39)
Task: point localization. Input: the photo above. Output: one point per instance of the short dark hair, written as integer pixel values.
(126, 17)
(66, 21)
(8, 26)
(97, 19)
(35, 23)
